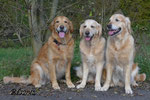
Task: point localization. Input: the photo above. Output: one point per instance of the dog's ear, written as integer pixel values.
(70, 26)
(81, 30)
(99, 28)
(52, 25)
(128, 24)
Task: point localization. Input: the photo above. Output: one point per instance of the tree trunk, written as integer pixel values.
(37, 22)
(34, 27)
(52, 15)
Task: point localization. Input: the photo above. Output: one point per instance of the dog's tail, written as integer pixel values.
(23, 80)
(140, 77)
(79, 72)
(135, 73)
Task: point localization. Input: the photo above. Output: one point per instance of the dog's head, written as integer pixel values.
(118, 24)
(61, 26)
(89, 29)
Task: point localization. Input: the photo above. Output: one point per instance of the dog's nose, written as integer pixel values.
(87, 33)
(61, 27)
(109, 26)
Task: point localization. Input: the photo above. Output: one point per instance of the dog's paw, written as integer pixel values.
(6, 80)
(97, 88)
(80, 86)
(128, 90)
(104, 88)
(134, 84)
(70, 85)
(56, 87)
(112, 84)
(38, 86)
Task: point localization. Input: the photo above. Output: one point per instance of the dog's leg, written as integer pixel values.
(108, 77)
(68, 78)
(36, 75)
(99, 68)
(127, 73)
(85, 75)
(52, 73)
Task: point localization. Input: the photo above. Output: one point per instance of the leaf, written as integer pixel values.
(90, 13)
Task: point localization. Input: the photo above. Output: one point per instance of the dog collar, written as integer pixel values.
(59, 43)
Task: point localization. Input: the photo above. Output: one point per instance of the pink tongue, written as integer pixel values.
(61, 34)
(111, 32)
(87, 38)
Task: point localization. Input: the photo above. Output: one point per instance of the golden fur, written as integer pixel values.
(92, 52)
(120, 54)
(54, 58)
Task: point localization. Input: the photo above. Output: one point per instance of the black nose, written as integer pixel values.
(109, 26)
(87, 33)
(61, 27)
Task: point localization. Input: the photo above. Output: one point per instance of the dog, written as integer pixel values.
(92, 52)
(120, 52)
(54, 58)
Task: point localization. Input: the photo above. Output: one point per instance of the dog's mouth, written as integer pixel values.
(88, 38)
(112, 32)
(61, 34)
(61, 30)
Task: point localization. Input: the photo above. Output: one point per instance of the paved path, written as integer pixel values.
(47, 93)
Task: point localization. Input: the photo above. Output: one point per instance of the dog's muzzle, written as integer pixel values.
(61, 30)
(87, 36)
(112, 31)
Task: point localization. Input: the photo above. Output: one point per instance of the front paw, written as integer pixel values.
(128, 90)
(97, 88)
(37, 85)
(80, 86)
(70, 85)
(56, 87)
(134, 84)
(105, 88)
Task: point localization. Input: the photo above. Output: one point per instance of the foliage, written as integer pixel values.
(13, 21)
(14, 15)
(139, 13)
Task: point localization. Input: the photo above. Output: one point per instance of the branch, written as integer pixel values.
(68, 7)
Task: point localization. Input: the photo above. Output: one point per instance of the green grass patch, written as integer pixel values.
(143, 60)
(15, 62)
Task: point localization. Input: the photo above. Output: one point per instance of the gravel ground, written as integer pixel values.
(28, 92)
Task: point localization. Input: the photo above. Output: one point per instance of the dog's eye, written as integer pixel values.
(92, 26)
(65, 21)
(84, 26)
(117, 20)
(57, 21)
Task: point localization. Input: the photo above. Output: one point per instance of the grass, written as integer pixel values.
(143, 60)
(16, 61)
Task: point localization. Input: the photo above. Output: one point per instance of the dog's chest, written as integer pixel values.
(90, 59)
(65, 52)
(60, 68)
(119, 57)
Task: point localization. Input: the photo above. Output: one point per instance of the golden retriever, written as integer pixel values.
(54, 58)
(120, 54)
(92, 51)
